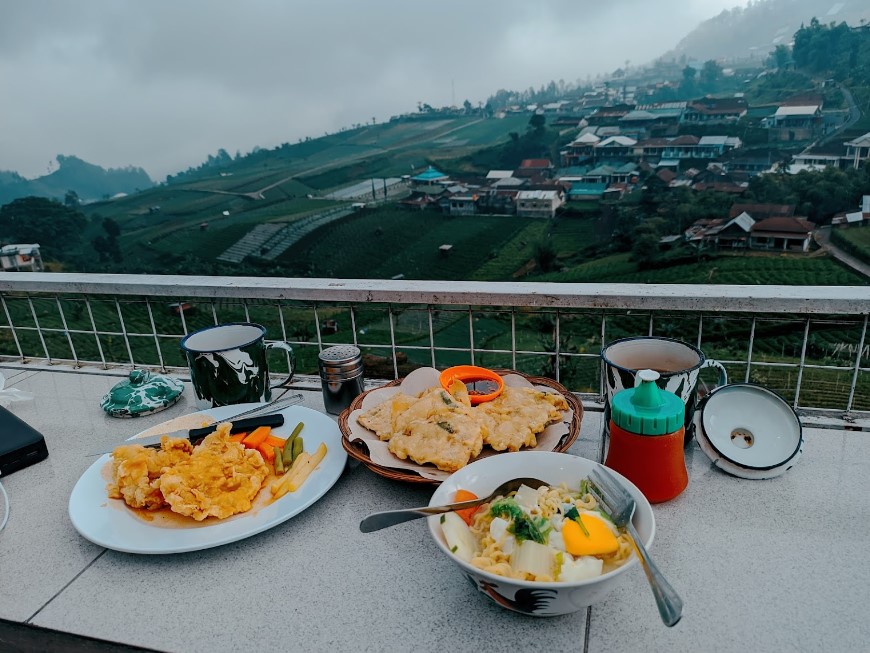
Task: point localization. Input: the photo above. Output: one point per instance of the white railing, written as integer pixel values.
(807, 342)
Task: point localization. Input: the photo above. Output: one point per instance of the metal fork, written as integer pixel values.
(619, 504)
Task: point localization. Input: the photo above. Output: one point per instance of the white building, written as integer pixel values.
(538, 203)
(14, 258)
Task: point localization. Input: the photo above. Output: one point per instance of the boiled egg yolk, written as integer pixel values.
(599, 541)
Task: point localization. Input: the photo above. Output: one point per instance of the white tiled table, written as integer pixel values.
(777, 565)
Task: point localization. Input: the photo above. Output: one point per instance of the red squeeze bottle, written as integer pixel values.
(646, 439)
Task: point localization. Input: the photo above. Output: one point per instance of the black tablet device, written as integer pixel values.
(20, 444)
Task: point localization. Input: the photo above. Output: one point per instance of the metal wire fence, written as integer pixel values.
(808, 345)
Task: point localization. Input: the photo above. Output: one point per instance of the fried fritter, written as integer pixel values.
(444, 429)
(514, 418)
(136, 471)
(438, 428)
(382, 418)
(448, 439)
(219, 479)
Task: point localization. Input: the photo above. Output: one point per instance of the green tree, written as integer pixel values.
(688, 86)
(545, 256)
(711, 76)
(780, 57)
(57, 228)
(71, 199)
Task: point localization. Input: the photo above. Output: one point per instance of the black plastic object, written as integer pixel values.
(239, 426)
(21, 445)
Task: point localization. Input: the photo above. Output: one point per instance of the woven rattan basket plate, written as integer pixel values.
(358, 450)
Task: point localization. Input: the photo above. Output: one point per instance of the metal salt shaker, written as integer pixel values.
(341, 374)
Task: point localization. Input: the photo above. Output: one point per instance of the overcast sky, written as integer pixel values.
(163, 83)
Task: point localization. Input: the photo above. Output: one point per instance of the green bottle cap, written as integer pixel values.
(646, 409)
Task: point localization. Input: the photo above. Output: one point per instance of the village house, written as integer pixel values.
(719, 233)
(497, 201)
(460, 203)
(688, 147)
(615, 147)
(715, 111)
(858, 151)
(541, 168)
(580, 149)
(787, 234)
(538, 203)
(795, 123)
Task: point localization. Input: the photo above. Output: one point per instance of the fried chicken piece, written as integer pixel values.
(221, 478)
(137, 469)
(514, 418)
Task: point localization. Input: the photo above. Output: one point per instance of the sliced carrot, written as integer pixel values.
(267, 451)
(275, 441)
(257, 437)
(238, 437)
(468, 513)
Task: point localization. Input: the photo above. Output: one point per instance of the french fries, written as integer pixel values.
(302, 467)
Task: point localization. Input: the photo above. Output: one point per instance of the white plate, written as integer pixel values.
(109, 523)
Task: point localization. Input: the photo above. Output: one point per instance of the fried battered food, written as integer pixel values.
(136, 471)
(514, 418)
(444, 429)
(219, 479)
(439, 428)
(382, 418)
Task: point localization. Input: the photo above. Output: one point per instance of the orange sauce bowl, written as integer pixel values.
(471, 376)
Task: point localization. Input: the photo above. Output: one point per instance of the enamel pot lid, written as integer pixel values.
(749, 431)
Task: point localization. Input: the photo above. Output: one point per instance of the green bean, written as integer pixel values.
(287, 452)
(279, 460)
(297, 448)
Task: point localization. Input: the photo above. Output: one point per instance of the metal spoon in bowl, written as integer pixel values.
(379, 520)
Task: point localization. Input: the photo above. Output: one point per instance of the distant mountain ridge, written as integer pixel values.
(88, 181)
(754, 31)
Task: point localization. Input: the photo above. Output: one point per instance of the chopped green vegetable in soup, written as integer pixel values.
(548, 534)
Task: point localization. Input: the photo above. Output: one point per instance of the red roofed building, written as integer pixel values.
(787, 234)
(713, 111)
(535, 168)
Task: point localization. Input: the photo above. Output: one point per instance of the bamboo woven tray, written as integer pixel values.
(358, 450)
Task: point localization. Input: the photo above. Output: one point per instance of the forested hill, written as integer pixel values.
(752, 32)
(86, 180)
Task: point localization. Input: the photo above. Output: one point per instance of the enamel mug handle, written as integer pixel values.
(286, 347)
(723, 375)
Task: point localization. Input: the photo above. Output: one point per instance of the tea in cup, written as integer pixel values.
(678, 363)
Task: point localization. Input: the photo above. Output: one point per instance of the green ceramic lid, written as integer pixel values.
(647, 409)
(143, 393)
